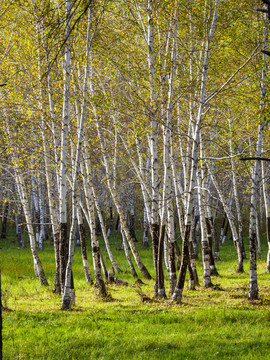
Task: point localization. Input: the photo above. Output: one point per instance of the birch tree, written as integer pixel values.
(177, 295)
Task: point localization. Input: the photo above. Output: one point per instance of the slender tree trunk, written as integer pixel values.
(125, 245)
(229, 215)
(120, 210)
(253, 284)
(264, 180)
(204, 234)
(63, 239)
(69, 294)
(236, 196)
(108, 248)
(177, 295)
(26, 208)
(154, 217)
(267, 212)
(4, 220)
(87, 273)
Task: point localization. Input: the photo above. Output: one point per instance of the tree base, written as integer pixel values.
(177, 296)
(213, 271)
(253, 293)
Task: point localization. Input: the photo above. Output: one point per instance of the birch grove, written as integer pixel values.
(138, 111)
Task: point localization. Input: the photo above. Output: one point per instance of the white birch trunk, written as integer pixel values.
(67, 296)
(253, 283)
(26, 209)
(204, 241)
(267, 213)
(87, 272)
(63, 242)
(264, 182)
(177, 295)
(103, 229)
(236, 197)
(124, 225)
(153, 145)
(231, 222)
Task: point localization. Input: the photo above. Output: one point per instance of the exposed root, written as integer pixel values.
(139, 282)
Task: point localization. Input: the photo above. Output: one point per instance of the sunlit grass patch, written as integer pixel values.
(217, 322)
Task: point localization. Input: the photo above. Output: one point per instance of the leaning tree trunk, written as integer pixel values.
(177, 295)
(50, 185)
(229, 215)
(120, 210)
(236, 197)
(26, 209)
(83, 247)
(103, 229)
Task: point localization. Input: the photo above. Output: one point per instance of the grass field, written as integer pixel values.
(213, 323)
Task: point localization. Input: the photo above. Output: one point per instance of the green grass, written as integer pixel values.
(211, 323)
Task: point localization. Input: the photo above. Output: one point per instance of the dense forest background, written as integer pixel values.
(149, 118)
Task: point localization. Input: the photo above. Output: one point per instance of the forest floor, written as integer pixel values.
(213, 323)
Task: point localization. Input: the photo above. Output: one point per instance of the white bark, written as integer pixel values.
(230, 219)
(236, 196)
(253, 284)
(66, 298)
(190, 198)
(124, 225)
(26, 209)
(267, 212)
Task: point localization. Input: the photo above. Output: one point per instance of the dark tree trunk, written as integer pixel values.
(160, 273)
(193, 234)
(172, 267)
(105, 272)
(63, 253)
(117, 223)
(192, 261)
(226, 229)
(213, 270)
(99, 283)
(155, 238)
(57, 286)
(216, 242)
(268, 241)
(4, 222)
(77, 235)
(125, 245)
(177, 295)
(98, 228)
(253, 285)
(131, 225)
(87, 273)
